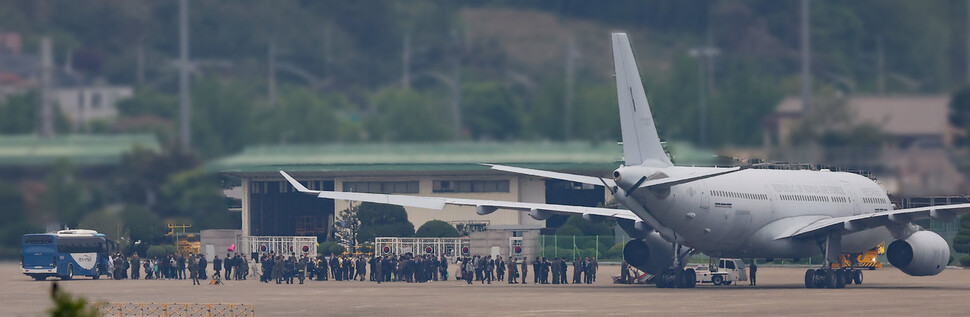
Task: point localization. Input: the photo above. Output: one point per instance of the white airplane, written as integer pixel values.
(724, 212)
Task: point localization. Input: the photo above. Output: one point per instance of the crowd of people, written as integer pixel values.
(286, 269)
(485, 269)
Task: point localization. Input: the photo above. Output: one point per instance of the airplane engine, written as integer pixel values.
(924, 253)
(651, 254)
(484, 210)
(539, 214)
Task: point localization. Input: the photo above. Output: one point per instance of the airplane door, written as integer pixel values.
(705, 201)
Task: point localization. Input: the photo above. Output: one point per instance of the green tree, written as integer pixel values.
(302, 116)
(437, 229)
(221, 116)
(143, 226)
(66, 196)
(150, 102)
(348, 225)
(144, 171)
(195, 197)
(66, 305)
(379, 220)
(108, 223)
(408, 115)
(584, 227)
(11, 203)
(17, 114)
(491, 110)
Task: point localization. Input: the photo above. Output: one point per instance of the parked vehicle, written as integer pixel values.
(726, 271)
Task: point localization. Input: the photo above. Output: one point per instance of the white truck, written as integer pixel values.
(726, 272)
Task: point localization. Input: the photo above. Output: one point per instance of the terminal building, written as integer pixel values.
(271, 207)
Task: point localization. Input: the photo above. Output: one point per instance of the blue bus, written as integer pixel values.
(66, 254)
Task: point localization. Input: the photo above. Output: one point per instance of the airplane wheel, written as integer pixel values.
(661, 280)
(857, 276)
(840, 278)
(810, 278)
(830, 279)
(40, 278)
(717, 279)
(691, 278)
(683, 279)
(820, 278)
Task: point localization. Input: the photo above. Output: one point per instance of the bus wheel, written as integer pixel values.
(97, 273)
(70, 272)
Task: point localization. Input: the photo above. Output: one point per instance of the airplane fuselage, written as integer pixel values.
(742, 214)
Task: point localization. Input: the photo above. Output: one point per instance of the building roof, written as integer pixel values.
(419, 157)
(32, 150)
(895, 115)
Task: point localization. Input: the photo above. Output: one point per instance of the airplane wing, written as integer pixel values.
(438, 203)
(555, 175)
(866, 221)
(668, 181)
(671, 181)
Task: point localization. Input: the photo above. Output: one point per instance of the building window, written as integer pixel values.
(473, 186)
(409, 187)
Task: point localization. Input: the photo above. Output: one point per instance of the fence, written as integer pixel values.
(449, 247)
(278, 244)
(175, 310)
(602, 247)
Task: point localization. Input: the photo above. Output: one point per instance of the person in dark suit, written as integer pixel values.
(752, 273)
(536, 268)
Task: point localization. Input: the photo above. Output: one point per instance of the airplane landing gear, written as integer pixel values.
(832, 278)
(827, 277)
(676, 278)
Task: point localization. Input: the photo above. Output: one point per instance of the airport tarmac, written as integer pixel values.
(885, 292)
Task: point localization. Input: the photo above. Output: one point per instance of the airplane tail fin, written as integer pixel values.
(641, 144)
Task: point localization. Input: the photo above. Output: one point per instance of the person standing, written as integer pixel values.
(135, 266)
(500, 268)
(193, 267)
(361, 268)
(525, 270)
(469, 271)
(217, 265)
(554, 267)
(576, 271)
(180, 264)
(563, 268)
(443, 268)
(536, 268)
(377, 268)
(301, 268)
(594, 266)
(203, 263)
(752, 273)
(624, 272)
(513, 271)
(227, 264)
